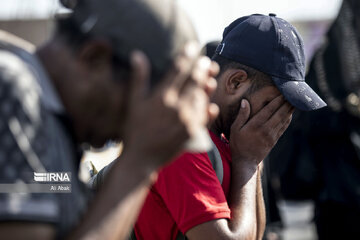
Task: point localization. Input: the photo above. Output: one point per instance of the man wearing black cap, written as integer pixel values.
(91, 83)
(261, 80)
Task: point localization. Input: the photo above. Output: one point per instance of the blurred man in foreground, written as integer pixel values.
(91, 83)
(261, 80)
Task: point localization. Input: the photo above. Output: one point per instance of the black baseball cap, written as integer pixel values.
(273, 46)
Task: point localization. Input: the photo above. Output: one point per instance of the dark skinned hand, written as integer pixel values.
(252, 139)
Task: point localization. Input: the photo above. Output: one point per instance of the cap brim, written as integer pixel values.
(299, 94)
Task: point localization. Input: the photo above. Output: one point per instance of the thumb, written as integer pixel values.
(243, 115)
(140, 76)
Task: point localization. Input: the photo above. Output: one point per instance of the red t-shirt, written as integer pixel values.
(186, 194)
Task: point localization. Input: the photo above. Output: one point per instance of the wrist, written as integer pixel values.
(247, 164)
(137, 165)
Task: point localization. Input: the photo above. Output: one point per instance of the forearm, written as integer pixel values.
(117, 203)
(243, 199)
(260, 206)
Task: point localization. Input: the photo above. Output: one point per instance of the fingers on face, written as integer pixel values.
(190, 73)
(201, 71)
(214, 69)
(283, 112)
(243, 115)
(281, 120)
(190, 69)
(268, 111)
(140, 82)
(285, 126)
(183, 66)
(273, 119)
(210, 86)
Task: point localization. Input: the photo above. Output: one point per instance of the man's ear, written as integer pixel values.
(235, 81)
(96, 54)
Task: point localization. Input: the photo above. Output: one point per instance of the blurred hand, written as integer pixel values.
(251, 140)
(159, 123)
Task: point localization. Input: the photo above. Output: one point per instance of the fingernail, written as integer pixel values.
(192, 49)
(243, 104)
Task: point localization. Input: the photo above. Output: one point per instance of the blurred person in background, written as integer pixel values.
(113, 70)
(319, 156)
(261, 79)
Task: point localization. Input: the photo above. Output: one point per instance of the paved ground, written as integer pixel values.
(297, 217)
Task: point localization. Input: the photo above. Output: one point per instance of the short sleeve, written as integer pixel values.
(191, 191)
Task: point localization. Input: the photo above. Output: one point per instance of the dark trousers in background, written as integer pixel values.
(337, 221)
